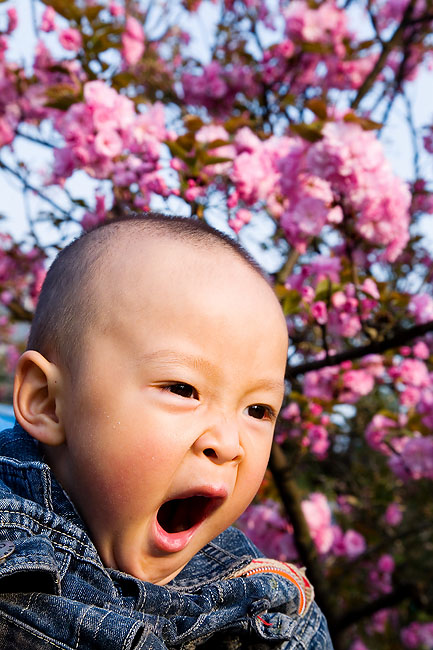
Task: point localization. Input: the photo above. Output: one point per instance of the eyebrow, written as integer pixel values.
(199, 362)
(169, 356)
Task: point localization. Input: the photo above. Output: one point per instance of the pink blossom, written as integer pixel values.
(98, 93)
(421, 350)
(64, 164)
(421, 306)
(291, 412)
(132, 41)
(370, 287)
(108, 143)
(374, 364)
(415, 458)
(213, 133)
(358, 645)
(319, 312)
(115, 9)
(6, 132)
(323, 267)
(308, 209)
(418, 634)
(377, 430)
(266, 527)
(386, 563)
(356, 383)
(321, 383)
(70, 39)
(410, 396)
(12, 20)
(353, 162)
(412, 372)
(354, 543)
(254, 175)
(393, 514)
(318, 438)
(307, 293)
(318, 515)
(48, 23)
(12, 356)
(246, 140)
(316, 409)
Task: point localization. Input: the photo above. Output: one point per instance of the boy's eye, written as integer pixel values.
(184, 390)
(261, 412)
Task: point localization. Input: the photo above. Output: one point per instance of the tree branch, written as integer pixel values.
(400, 593)
(34, 189)
(291, 498)
(400, 337)
(381, 61)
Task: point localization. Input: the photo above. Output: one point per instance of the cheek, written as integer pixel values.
(250, 475)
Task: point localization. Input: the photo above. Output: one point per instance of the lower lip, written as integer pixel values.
(172, 542)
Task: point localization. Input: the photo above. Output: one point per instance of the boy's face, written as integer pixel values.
(169, 420)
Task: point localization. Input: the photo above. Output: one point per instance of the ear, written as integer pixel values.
(37, 393)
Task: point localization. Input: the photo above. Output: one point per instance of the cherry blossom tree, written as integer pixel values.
(270, 127)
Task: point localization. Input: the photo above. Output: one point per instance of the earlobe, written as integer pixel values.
(37, 403)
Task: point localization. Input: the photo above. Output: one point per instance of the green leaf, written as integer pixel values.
(186, 141)
(235, 123)
(176, 149)
(60, 96)
(93, 11)
(193, 123)
(364, 122)
(310, 132)
(291, 301)
(316, 47)
(65, 8)
(318, 107)
(213, 160)
(217, 143)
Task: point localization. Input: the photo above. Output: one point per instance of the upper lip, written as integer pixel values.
(210, 491)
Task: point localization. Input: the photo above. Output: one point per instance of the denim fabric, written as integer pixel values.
(56, 593)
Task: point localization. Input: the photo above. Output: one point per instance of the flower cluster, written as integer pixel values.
(274, 536)
(216, 87)
(418, 635)
(107, 138)
(343, 180)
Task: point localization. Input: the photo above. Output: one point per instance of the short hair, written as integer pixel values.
(66, 305)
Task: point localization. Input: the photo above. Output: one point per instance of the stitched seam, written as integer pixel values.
(80, 622)
(133, 631)
(30, 602)
(98, 627)
(33, 632)
(42, 525)
(56, 544)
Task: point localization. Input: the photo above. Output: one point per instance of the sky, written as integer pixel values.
(395, 136)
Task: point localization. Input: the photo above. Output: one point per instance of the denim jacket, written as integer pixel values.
(56, 593)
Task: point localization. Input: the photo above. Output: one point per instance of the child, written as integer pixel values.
(145, 405)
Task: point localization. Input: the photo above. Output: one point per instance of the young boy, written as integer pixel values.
(145, 405)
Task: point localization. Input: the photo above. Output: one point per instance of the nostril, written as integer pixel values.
(211, 453)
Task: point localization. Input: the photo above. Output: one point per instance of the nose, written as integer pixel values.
(220, 442)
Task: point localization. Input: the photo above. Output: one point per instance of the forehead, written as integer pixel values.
(165, 273)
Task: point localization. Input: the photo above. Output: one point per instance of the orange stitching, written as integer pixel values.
(284, 574)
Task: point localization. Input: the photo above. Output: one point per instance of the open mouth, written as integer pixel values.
(179, 515)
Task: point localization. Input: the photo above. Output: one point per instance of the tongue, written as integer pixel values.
(178, 515)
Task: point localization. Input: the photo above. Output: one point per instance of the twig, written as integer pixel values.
(291, 499)
(34, 189)
(400, 593)
(400, 337)
(381, 61)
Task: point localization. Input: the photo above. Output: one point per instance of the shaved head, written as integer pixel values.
(68, 304)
